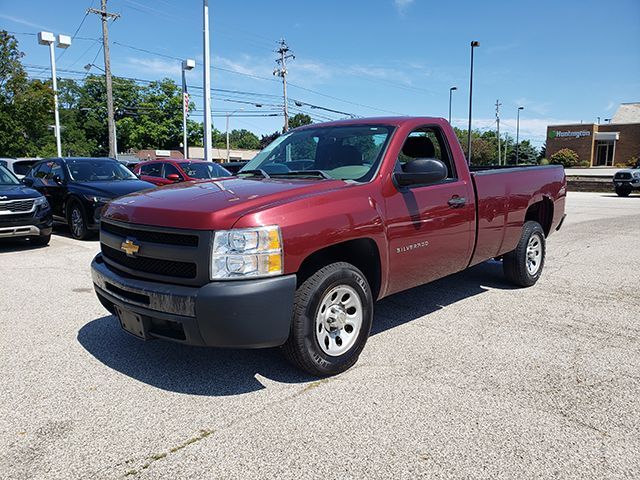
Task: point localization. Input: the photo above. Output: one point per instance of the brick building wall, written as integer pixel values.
(583, 143)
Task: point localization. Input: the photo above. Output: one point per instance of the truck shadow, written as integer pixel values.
(221, 372)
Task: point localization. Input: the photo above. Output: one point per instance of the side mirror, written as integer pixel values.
(421, 171)
(28, 182)
(174, 177)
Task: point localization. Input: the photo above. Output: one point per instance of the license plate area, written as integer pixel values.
(131, 323)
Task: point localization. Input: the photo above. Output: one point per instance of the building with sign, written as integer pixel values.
(616, 142)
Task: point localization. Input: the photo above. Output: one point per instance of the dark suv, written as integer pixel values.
(78, 188)
(24, 212)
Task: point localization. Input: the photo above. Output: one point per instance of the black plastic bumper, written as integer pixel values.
(38, 224)
(239, 313)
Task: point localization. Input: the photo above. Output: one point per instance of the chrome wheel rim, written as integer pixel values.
(338, 320)
(77, 224)
(534, 254)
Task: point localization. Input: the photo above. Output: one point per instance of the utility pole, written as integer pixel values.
(111, 123)
(498, 127)
(207, 81)
(281, 71)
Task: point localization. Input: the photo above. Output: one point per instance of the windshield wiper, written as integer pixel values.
(306, 173)
(256, 171)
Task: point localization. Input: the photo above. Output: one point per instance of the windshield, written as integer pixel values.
(22, 167)
(346, 152)
(98, 170)
(204, 170)
(7, 178)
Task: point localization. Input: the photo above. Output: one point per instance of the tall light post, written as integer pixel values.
(64, 41)
(518, 136)
(474, 44)
(229, 115)
(187, 64)
(450, 95)
(206, 81)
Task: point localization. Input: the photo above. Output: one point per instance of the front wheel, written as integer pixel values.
(332, 316)
(523, 266)
(623, 191)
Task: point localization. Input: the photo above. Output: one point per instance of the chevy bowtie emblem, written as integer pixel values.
(129, 247)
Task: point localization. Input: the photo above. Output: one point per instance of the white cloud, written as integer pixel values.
(541, 108)
(24, 22)
(154, 66)
(401, 5)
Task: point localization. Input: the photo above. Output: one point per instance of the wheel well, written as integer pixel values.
(362, 253)
(541, 212)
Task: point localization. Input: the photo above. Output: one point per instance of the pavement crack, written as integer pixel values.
(204, 433)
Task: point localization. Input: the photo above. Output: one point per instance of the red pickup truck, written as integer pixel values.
(295, 249)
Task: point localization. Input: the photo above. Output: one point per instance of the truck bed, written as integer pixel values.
(503, 195)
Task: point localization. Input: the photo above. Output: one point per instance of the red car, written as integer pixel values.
(168, 171)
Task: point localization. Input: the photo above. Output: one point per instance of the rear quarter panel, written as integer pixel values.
(503, 197)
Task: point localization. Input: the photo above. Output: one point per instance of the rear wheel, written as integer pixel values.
(332, 316)
(623, 191)
(77, 221)
(523, 266)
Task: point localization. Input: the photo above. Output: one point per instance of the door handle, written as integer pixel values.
(457, 202)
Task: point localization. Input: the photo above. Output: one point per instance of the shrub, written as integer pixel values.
(544, 161)
(567, 158)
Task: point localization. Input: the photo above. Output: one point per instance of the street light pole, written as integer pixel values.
(518, 136)
(207, 81)
(187, 64)
(474, 44)
(64, 41)
(450, 95)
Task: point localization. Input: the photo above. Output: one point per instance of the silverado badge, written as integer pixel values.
(129, 247)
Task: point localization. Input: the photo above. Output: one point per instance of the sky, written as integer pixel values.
(563, 61)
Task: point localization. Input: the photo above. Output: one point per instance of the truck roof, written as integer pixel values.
(390, 120)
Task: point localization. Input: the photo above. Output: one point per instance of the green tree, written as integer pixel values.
(566, 157)
(299, 119)
(243, 139)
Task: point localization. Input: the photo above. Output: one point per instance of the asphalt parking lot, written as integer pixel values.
(462, 378)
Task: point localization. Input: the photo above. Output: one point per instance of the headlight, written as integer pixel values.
(96, 199)
(636, 174)
(247, 252)
(41, 201)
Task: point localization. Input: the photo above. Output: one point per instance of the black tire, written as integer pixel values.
(79, 230)
(623, 192)
(41, 240)
(515, 262)
(302, 348)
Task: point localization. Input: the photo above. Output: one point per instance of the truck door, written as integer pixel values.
(430, 228)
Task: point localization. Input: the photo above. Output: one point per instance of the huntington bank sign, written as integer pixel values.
(560, 134)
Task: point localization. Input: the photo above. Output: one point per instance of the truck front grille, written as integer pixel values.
(168, 268)
(152, 236)
(16, 206)
(168, 255)
(622, 176)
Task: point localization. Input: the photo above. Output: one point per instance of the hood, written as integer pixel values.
(206, 205)
(112, 189)
(17, 192)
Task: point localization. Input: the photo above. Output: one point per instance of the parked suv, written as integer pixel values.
(18, 166)
(24, 212)
(627, 180)
(165, 172)
(78, 188)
